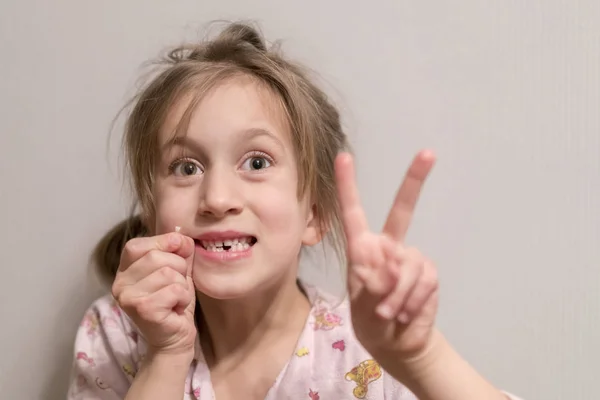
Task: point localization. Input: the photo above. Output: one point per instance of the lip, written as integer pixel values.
(222, 256)
(223, 235)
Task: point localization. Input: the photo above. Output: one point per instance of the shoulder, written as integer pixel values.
(105, 323)
(107, 352)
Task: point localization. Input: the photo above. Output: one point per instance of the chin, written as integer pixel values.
(228, 275)
(228, 286)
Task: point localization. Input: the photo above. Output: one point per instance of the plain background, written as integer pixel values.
(506, 92)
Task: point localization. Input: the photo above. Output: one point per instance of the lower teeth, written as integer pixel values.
(237, 247)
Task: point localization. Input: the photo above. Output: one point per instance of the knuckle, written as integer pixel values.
(143, 308)
(123, 265)
(179, 290)
(130, 247)
(115, 291)
(118, 286)
(124, 300)
(180, 266)
(154, 257)
(168, 274)
(188, 296)
(130, 252)
(182, 292)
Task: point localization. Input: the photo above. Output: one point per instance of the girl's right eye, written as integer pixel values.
(185, 168)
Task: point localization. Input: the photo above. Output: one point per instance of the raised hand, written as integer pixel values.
(155, 288)
(393, 288)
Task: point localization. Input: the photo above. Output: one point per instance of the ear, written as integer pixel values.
(312, 233)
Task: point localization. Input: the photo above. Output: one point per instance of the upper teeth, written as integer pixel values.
(228, 242)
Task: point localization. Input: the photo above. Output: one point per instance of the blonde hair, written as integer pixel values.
(193, 69)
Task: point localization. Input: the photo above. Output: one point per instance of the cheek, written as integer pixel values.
(279, 210)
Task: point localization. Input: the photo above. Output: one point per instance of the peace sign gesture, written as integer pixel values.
(392, 287)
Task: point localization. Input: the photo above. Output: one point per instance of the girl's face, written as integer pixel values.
(231, 185)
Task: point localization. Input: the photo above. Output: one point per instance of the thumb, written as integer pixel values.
(190, 281)
(192, 306)
(187, 250)
(190, 259)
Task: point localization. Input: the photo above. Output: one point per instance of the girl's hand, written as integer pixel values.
(154, 287)
(393, 288)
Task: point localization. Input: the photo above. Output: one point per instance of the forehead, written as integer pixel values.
(233, 105)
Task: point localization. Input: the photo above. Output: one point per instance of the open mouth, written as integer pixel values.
(229, 245)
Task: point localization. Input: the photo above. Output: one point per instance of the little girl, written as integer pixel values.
(238, 161)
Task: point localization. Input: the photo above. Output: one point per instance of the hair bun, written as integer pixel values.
(236, 38)
(240, 34)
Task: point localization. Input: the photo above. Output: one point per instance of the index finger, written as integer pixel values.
(400, 216)
(353, 217)
(172, 242)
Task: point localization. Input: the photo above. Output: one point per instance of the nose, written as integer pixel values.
(219, 195)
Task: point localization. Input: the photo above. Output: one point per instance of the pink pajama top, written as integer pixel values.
(329, 362)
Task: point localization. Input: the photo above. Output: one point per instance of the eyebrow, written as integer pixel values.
(247, 134)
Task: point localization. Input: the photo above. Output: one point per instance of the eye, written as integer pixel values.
(185, 168)
(256, 162)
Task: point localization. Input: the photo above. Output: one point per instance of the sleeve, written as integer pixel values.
(106, 356)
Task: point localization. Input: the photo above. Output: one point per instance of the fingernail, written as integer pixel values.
(403, 318)
(384, 311)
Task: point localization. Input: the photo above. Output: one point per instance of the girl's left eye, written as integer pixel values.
(256, 163)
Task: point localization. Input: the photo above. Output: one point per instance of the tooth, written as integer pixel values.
(235, 244)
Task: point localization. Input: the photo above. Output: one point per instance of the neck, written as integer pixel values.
(233, 328)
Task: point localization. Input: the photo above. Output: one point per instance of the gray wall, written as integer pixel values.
(507, 92)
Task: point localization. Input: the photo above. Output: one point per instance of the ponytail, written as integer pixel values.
(107, 254)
